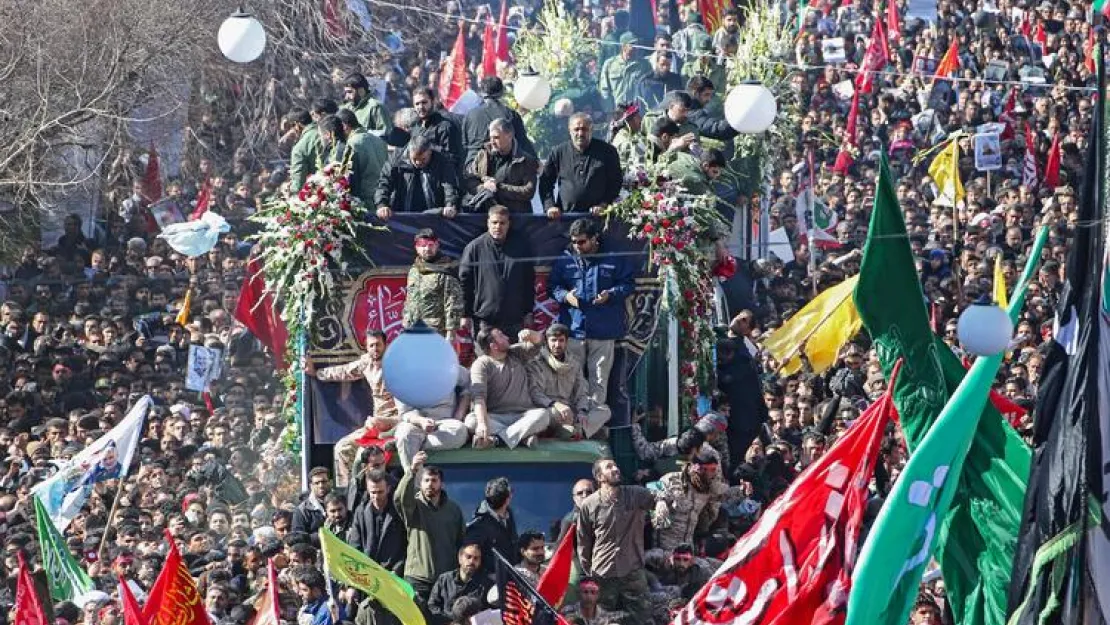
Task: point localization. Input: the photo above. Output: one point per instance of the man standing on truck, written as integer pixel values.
(611, 541)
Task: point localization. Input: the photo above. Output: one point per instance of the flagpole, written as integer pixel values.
(810, 221)
(124, 470)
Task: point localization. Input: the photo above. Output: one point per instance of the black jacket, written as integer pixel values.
(476, 127)
(487, 530)
(709, 125)
(516, 181)
(387, 549)
(497, 288)
(587, 179)
(653, 87)
(307, 518)
(445, 137)
(448, 589)
(406, 189)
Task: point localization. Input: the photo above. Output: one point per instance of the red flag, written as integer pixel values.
(1089, 50)
(453, 79)
(795, 565)
(152, 179)
(502, 46)
(950, 62)
(1007, 408)
(1040, 37)
(874, 60)
(132, 614)
(1007, 116)
(1027, 28)
(28, 606)
(711, 13)
(204, 198)
(336, 27)
(1052, 165)
(893, 21)
(843, 161)
(174, 599)
(267, 607)
(1029, 167)
(554, 581)
(489, 50)
(256, 310)
(851, 131)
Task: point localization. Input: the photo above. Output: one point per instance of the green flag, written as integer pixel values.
(67, 578)
(904, 535)
(349, 566)
(976, 541)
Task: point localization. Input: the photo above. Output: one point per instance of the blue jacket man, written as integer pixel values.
(591, 287)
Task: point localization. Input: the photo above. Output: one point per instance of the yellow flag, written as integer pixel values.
(824, 326)
(945, 172)
(1000, 284)
(183, 316)
(350, 566)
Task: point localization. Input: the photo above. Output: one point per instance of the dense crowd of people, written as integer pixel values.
(94, 323)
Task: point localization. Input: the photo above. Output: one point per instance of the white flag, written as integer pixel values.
(108, 458)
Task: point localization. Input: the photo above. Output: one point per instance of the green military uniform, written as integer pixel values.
(434, 294)
(653, 118)
(368, 156)
(685, 168)
(371, 115)
(619, 78)
(305, 157)
(707, 66)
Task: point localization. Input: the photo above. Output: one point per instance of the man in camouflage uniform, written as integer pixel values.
(587, 609)
(677, 576)
(433, 293)
(693, 498)
(622, 74)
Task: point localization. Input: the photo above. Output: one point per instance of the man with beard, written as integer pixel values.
(336, 518)
(680, 575)
(384, 415)
(591, 287)
(556, 382)
(444, 136)
(465, 581)
(435, 527)
(611, 540)
(433, 293)
(692, 498)
(502, 411)
(370, 113)
(531, 548)
(368, 154)
(730, 26)
(661, 81)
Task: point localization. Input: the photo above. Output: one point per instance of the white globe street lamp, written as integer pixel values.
(985, 329)
(241, 37)
(750, 108)
(420, 368)
(532, 91)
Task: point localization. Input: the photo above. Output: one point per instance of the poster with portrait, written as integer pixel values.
(988, 151)
(832, 50)
(204, 367)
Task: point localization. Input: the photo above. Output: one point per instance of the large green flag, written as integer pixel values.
(67, 578)
(976, 540)
(902, 539)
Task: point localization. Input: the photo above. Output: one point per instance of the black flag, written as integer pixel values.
(520, 603)
(1050, 579)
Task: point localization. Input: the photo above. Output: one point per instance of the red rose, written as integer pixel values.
(657, 241)
(649, 228)
(678, 246)
(666, 223)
